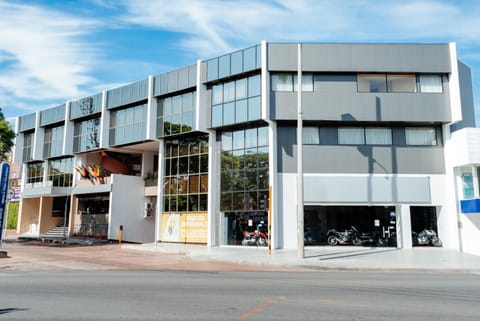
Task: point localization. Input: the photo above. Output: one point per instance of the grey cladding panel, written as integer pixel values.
(388, 189)
(375, 57)
(361, 159)
(430, 58)
(353, 106)
(282, 57)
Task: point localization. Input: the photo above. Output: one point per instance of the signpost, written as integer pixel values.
(5, 172)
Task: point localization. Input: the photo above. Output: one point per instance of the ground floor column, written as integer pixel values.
(404, 227)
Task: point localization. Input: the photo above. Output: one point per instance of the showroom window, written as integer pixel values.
(421, 136)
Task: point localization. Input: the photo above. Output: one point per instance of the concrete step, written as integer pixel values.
(58, 231)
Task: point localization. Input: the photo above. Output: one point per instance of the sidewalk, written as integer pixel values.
(326, 257)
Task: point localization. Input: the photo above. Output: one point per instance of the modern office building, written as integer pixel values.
(206, 152)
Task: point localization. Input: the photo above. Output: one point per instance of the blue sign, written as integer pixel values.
(3, 193)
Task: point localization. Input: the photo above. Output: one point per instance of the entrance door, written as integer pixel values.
(423, 218)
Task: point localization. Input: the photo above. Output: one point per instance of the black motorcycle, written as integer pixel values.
(426, 237)
(369, 238)
(335, 237)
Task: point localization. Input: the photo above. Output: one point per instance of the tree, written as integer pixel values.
(6, 137)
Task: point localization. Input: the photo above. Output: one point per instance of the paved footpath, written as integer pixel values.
(35, 255)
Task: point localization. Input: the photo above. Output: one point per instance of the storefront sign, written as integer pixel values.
(5, 172)
(185, 227)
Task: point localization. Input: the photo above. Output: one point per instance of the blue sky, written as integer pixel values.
(54, 51)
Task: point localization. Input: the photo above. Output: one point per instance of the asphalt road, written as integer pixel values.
(200, 295)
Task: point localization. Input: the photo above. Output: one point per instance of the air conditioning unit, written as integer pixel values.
(148, 210)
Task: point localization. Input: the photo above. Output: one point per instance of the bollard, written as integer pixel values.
(120, 232)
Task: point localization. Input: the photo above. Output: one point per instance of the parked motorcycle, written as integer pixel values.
(308, 236)
(256, 237)
(426, 237)
(335, 237)
(369, 238)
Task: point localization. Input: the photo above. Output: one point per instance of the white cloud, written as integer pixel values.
(213, 26)
(42, 53)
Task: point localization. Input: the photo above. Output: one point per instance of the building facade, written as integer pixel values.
(208, 153)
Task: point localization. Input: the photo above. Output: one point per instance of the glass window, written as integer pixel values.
(307, 82)
(254, 108)
(239, 139)
(431, 84)
(378, 136)
(217, 94)
(311, 135)
(373, 83)
(401, 83)
(241, 89)
(351, 136)
(249, 59)
(212, 69)
(229, 113)
(185, 174)
(421, 136)
(229, 91)
(224, 66)
(254, 88)
(237, 62)
(241, 111)
(217, 115)
(282, 82)
(467, 186)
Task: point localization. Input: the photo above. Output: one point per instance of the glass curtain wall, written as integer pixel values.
(60, 172)
(28, 139)
(128, 125)
(236, 101)
(176, 114)
(186, 175)
(244, 185)
(86, 135)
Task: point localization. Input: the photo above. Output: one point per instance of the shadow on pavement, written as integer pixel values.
(9, 310)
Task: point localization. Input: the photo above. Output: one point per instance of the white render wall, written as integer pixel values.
(127, 204)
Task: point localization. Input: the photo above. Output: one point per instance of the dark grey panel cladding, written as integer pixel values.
(466, 97)
(176, 80)
(429, 58)
(364, 159)
(362, 106)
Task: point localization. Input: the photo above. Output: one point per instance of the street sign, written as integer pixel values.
(5, 172)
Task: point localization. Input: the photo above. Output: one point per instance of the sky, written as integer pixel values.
(55, 51)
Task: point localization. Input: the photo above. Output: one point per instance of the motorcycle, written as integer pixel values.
(256, 237)
(370, 238)
(426, 237)
(308, 236)
(335, 237)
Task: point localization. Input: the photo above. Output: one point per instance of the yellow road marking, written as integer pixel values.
(262, 306)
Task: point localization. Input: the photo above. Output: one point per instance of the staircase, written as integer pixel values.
(56, 232)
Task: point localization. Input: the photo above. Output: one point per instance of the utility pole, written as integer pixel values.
(300, 214)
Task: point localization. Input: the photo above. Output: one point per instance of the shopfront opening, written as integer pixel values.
(424, 226)
(373, 221)
(245, 228)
